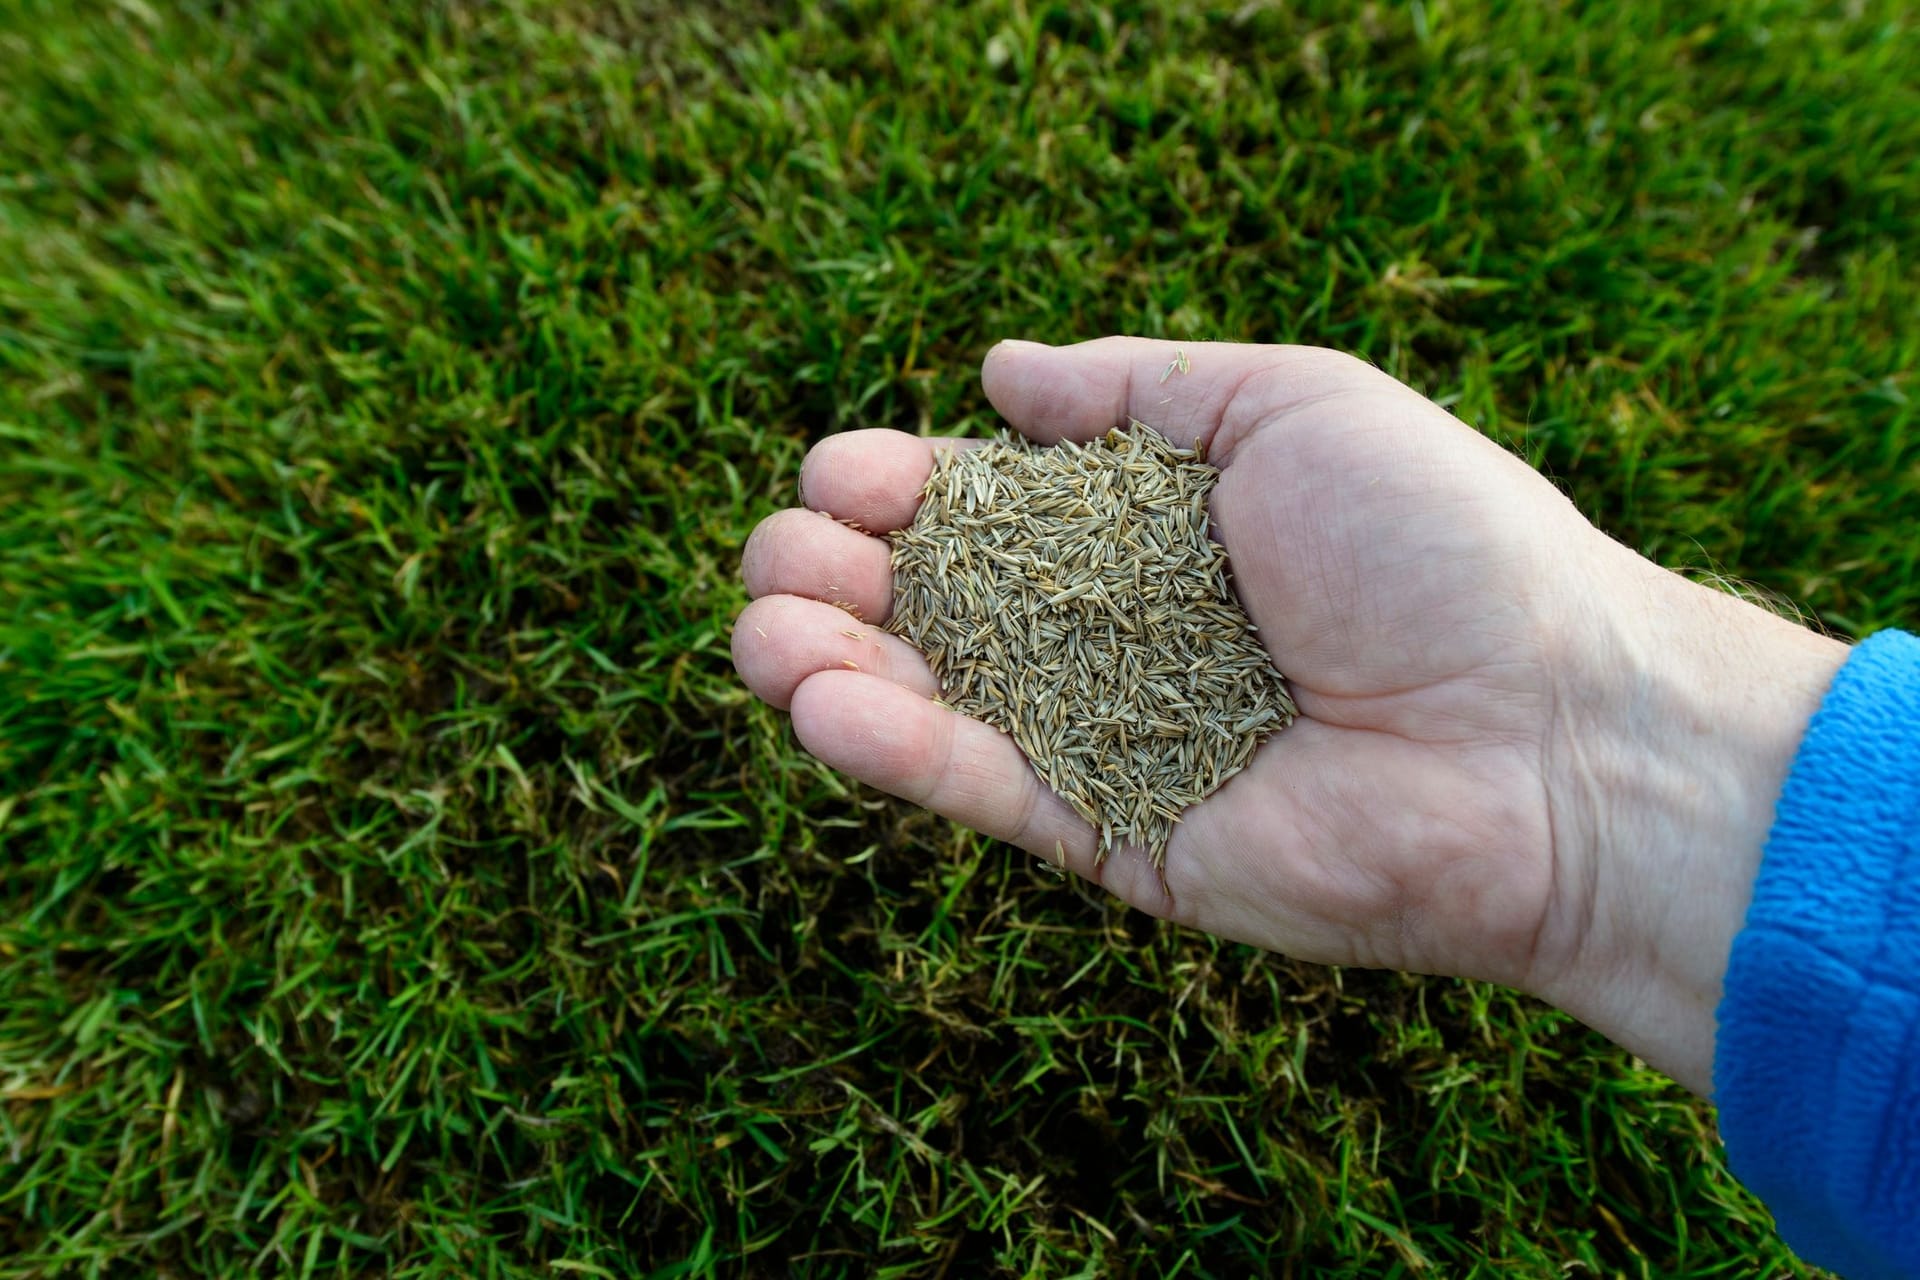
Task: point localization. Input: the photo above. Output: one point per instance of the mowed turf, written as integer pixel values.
(395, 880)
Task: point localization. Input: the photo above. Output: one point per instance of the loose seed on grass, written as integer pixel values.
(1070, 597)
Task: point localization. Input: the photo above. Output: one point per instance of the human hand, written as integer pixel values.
(1519, 755)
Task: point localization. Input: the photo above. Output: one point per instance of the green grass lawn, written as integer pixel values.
(395, 880)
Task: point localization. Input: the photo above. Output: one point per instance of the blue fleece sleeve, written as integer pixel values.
(1817, 1064)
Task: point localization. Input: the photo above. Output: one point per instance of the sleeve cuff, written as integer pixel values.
(1817, 1061)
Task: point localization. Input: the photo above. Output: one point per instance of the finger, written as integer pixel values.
(1194, 392)
(779, 641)
(803, 553)
(907, 746)
(872, 477)
(910, 747)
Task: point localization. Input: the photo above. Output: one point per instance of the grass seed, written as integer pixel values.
(1071, 597)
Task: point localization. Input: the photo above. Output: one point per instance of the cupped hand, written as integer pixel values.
(1481, 675)
(1402, 571)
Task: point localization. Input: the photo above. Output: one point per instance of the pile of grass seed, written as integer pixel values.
(1070, 596)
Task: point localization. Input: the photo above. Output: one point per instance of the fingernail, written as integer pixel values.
(1019, 344)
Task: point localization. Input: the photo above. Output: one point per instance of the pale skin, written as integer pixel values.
(1525, 754)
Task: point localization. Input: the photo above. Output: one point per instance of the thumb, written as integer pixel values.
(1195, 393)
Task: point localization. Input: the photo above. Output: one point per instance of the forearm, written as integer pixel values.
(1678, 733)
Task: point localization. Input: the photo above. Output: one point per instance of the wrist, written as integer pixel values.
(1677, 719)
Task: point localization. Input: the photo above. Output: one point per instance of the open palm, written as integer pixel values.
(1403, 572)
